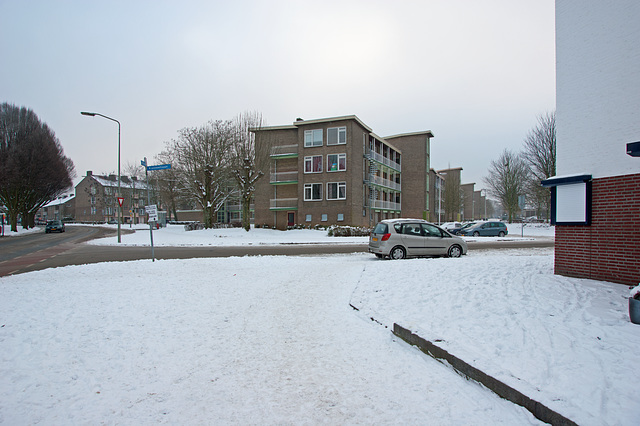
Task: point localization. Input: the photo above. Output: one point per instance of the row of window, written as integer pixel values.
(335, 136)
(335, 163)
(335, 191)
(325, 217)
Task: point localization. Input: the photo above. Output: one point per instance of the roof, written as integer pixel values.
(60, 200)
(126, 182)
(301, 122)
(427, 133)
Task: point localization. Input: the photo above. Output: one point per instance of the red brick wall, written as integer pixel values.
(609, 249)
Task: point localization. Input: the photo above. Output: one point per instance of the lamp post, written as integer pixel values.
(93, 114)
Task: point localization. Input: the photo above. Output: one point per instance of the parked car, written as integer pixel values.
(448, 226)
(401, 238)
(456, 231)
(54, 226)
(486, 229)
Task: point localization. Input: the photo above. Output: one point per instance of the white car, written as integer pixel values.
(401, 238)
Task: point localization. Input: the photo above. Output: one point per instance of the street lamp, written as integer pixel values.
(93, 114)
(485, 202)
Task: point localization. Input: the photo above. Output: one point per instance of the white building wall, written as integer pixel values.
(598, 86)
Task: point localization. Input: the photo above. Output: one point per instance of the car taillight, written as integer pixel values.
(385, 237)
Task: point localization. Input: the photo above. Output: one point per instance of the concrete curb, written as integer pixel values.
(540, 411)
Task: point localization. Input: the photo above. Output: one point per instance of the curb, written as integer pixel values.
(539, 410)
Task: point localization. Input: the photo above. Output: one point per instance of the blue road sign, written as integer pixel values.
(159, 167)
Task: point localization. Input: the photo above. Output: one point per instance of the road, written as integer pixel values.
(39, 251)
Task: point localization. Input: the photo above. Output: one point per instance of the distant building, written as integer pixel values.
(596, 195)
(96, 199)
(337, 171)
(63, 207)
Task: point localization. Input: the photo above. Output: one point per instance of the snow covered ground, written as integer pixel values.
(272, 340)
(175, 235)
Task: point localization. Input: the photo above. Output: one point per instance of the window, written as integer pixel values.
(308, 218)
(336, 136)
(312, 138)
(312, 191)
(336, 162)
(313, 164)
(325, 217)
(336, 191)
(340, 217)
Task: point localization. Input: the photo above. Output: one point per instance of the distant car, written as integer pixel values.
(486, 229)
(456, 231)
(448, 226)
(401, 238)
(54, 226)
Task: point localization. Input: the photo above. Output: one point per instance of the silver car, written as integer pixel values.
(400, 238)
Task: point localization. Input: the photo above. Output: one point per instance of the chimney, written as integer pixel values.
(89, 173)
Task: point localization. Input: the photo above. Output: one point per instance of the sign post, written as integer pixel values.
(152, 209)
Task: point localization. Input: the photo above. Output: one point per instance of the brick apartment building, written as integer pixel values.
(596, 195)
(96, 199)
(337, 171)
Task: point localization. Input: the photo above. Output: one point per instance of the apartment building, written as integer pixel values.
(337, 171)
(96, 199)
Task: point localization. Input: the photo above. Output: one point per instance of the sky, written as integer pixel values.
(477, 74)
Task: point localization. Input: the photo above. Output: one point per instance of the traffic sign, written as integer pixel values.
(120, 201)
(152, 211)
(159, 167)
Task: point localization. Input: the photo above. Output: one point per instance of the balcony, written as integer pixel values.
(238, 207)
(284, 151)
(386, 183)
(283, 178)
(378, 158)
(283, 204)
(384, 205)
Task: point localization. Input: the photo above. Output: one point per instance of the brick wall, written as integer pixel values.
(608, 249)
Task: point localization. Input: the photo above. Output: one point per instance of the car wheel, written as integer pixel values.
(454, 251)
(397, 252)
(501, 234)
(476, 234)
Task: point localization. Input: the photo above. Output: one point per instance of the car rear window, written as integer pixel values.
(381, 228)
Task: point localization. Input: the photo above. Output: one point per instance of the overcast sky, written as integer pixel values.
(475, 73)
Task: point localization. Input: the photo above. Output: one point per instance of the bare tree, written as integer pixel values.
(33, 168)
(202, 156)
(452, 198)
(135, 173)
(540, 155)
(507, 180)
(247, 164)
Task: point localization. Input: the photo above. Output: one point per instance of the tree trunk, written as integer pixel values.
(246, 213)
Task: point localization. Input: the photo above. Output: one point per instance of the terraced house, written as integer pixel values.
(337, 171)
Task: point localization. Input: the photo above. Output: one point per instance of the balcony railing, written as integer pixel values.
(284, 151)
(384, 205)
(283, 177)
(238, 207)
(284, 204)
(383, 160)
(377, 180)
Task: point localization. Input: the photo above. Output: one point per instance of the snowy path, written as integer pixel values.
(223, 341)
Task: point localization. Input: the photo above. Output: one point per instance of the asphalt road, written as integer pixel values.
(39, 251)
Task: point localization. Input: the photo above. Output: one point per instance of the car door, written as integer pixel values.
(413, 239)
(434, 242)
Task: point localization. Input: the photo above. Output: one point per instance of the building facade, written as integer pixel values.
(337, 171)
(96, 199)
(596, 195)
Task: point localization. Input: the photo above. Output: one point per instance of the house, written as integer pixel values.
(596, 193)
(337, 171)
(96, 199)
(63, 207)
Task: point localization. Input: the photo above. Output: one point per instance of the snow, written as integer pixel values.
(175, 235)
(273, 340)
(21, 231)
